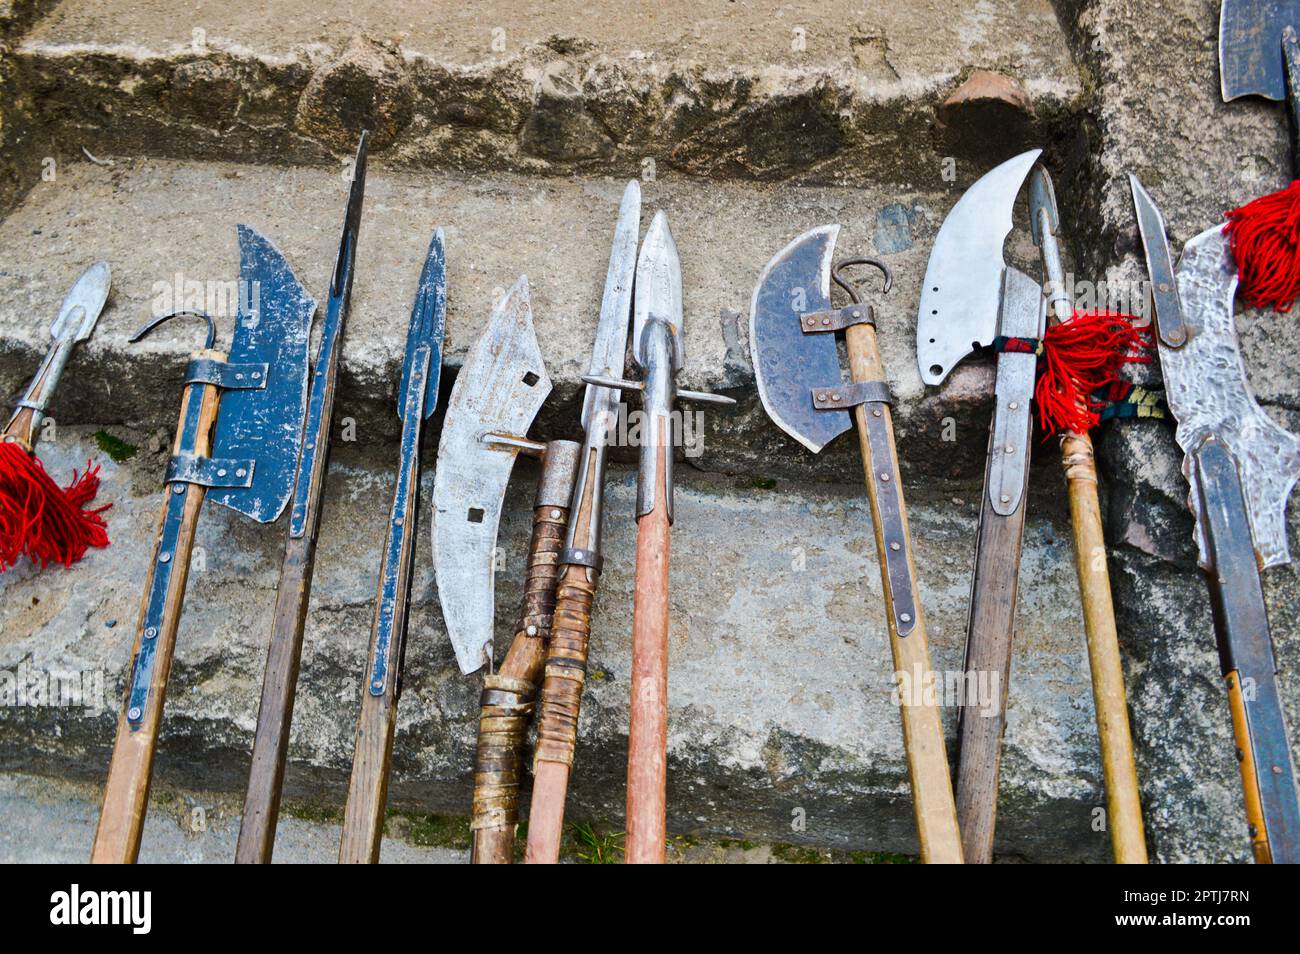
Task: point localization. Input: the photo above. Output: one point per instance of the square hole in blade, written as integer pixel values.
(530, 378)
(475, 515)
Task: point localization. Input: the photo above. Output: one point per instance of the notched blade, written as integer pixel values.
(1210, 395)
(788, 364)
(498, 392)
(83, 304)
(265, 424)
(1250, 47)
(963, 281)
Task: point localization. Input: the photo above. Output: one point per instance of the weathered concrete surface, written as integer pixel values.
(164, 224)
(54, 823)
(780, 693)
(755, 90)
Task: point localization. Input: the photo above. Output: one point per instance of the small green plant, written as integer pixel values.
(595, 848)
(116, 448)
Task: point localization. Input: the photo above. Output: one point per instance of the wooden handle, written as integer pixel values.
(927, 760)
(557, 722)
(647, 750)
(275, 713)
(989, 630)
(126, 794)
(1123, 804)
(363, 818)
(1258, 829)
(22, 427)
(509, 697)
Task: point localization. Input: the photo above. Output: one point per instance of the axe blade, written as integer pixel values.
(963, 281)
(788, 364)
(1250, 47)
(499, 391)
(265, 424)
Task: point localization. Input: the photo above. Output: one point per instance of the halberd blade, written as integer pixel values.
(265, 424)
(1207, 387)
(615, 307)
(1250, 47)
(427, 321)
(84, 303)
(498, 392)
(788, 364)
(963, 281)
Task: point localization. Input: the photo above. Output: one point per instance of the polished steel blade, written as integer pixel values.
(615, 307)
(83, 304)
(497, 393)
(658, 290)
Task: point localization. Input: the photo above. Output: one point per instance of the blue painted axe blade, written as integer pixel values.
(265, 424)
(787, 362)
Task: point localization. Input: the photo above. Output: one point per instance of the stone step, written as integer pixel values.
(780, 692)
(166, 227)
(761, 89)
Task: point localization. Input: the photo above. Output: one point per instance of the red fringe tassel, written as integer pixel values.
(1080, 357)
(1265, 239)
(48, 523)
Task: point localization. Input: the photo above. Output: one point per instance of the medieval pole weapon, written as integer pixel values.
(1241, 467)
(231, 441)
(581, 558)
(49, 523)
(796, 364)
(275, 713)
(971, 299)
(498, 392)
(658, 349)
(417, 397)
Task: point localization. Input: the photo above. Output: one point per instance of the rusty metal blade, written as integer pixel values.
(265, 424)
(963, 281)
(1250, 47)
(498, 392)
(788, 364)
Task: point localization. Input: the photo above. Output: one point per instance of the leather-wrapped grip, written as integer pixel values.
(566, 665)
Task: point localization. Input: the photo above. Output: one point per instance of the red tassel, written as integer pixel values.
(1080, 357)
(1265, 239)
(48, 523)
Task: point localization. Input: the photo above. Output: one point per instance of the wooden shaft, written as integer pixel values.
(126, 794)
(647, 749)
(1249, 778)
(927, 760)
(363, 818)
(989, 631)
(557, 721)
(275, 713)
(498, 760)
(25, 423)
(1123, 804)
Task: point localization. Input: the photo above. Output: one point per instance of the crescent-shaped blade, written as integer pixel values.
(963, 281)
(1209, 394)
(265, 424)
(497, 393)
(788, 364)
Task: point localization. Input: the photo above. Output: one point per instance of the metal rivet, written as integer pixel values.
(1010, 449)
(857, 313)
(221, 472)
(164, 557)
(875, 412)
(378, 684)
(821, 398)
(397, 522)
(1163, 286)
(905, 617)
(1014, 405)
(1005, 498)
(133, 713)
(1277, 770)
(309, 445)
(555, 515)
(241, 472)
(895, 546)
(826, 321)
(239, 376)
(835, 397)
(178, 488)
(256, 375)
(531, 631)
(150, 633)
(884, 477)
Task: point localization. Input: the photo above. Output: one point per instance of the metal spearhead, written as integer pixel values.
(261, 427)
(82, 308)
(424, 338)
(963, 281)
(1206, 384)
(498, 392)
